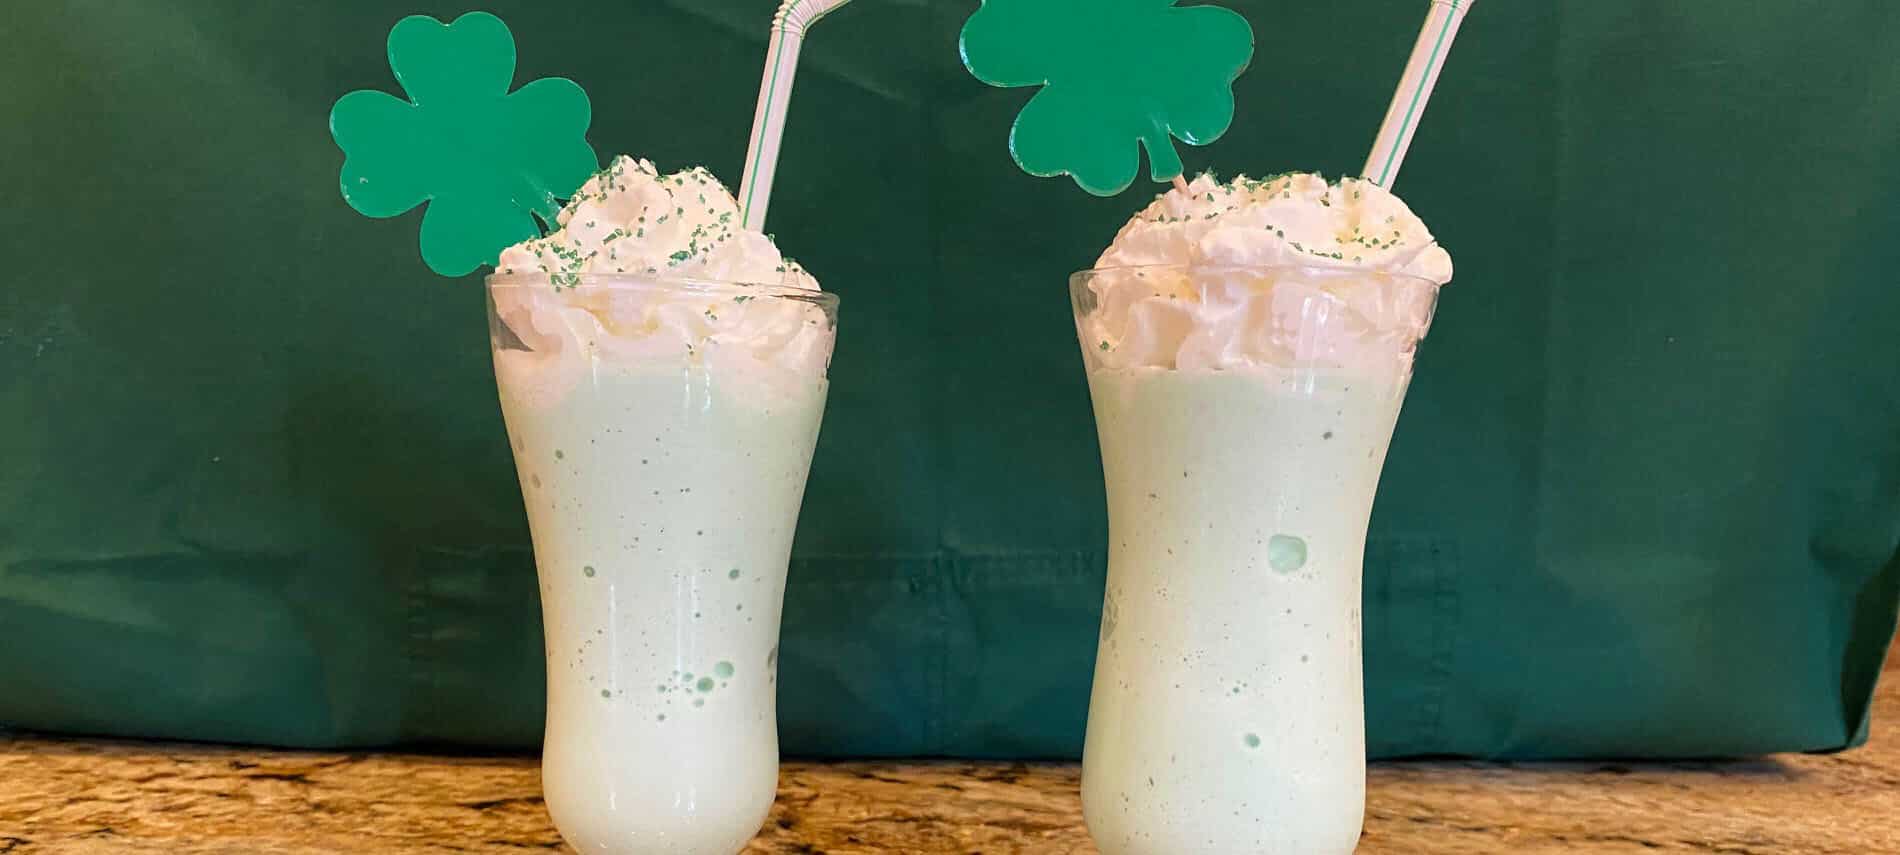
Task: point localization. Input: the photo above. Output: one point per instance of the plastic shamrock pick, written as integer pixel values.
(484, 158)
(1117, 75)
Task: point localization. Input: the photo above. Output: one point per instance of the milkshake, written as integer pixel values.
(662, 374)
(1248, 346)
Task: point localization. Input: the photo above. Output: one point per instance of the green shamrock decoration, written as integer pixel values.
(1117, 76)
(483, 158)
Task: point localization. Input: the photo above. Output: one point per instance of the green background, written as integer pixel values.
(1644, 498)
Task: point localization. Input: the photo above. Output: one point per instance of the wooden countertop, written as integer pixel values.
(82, 796)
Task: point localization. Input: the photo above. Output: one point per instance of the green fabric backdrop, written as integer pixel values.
(1644, 498)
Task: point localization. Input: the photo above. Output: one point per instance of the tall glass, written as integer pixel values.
(1244, 415)
(662, 431)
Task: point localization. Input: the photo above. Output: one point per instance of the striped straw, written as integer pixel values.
(775, 93)
(1415, 88)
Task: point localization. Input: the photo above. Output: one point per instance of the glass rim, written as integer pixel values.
(662, 282)
(1320, 270)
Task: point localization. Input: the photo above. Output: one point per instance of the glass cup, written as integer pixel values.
(662, 430)
(1244, 415)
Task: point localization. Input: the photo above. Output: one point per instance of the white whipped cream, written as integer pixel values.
(656, 233)
(629, 218)
(1286, 271)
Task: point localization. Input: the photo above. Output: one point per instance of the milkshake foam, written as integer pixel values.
(630, 223)
(1224, 275)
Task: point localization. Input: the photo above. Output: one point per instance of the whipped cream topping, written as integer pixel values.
(629, 218)
(1285, 271)
(691, 287)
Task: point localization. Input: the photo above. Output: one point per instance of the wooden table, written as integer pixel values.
(81, 796)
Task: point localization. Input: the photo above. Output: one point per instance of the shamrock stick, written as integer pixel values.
(775, 95)
(1415, 89)
(1113, 80)
(1180, 183)
(486, 160)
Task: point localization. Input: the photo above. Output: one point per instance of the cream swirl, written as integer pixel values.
(689, 285)
(1281, 271)
(629, 218)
